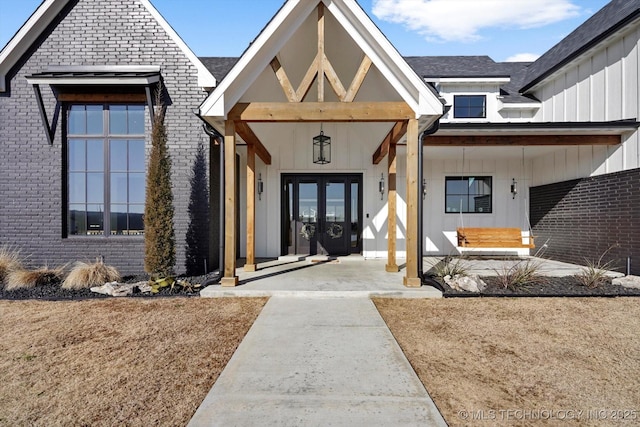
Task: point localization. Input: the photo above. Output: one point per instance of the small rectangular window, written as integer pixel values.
(469, 106)
(468, 194)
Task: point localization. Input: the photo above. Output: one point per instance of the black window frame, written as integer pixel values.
(469, 195)
(106, 137)
(466, 111)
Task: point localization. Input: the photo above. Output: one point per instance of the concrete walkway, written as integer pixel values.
(318, 361)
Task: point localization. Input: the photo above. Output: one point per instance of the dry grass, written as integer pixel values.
(10, 260)
(27, 279)
(115, 362)
(84, 275)
(528, 354)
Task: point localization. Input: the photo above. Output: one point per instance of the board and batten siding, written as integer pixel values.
(601, 86)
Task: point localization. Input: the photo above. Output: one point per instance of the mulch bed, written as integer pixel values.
(547, 287)
(54, 292)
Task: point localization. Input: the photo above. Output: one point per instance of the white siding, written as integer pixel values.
(602, 86)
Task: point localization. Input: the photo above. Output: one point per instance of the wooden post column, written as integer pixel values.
(411, 278)
(250, 265)
(392, 265)
(230, 214)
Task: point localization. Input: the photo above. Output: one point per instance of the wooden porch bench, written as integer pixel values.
(488, 237)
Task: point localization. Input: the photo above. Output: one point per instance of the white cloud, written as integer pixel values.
(462, 20)
(522, 57)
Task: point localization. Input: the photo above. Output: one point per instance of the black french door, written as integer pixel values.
(321, 214)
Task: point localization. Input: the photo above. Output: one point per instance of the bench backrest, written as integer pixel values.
(491, 237)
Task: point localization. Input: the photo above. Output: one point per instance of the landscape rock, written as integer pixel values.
(116, 289)
(632, 282)
(466, 283)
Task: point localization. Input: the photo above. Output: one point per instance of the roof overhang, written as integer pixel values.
(50, 9)
(411, 88)
(468, 80)
(618, 127)
(97, 76)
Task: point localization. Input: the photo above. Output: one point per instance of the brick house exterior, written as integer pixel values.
(564, 128)
(91, 33)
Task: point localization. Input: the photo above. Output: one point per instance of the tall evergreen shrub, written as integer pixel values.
(159, 235)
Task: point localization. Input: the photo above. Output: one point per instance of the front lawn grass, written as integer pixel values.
(115, 362)
(529, 361)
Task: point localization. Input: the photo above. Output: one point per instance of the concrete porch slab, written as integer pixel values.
(323, 277)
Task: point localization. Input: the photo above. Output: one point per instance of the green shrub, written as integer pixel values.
(159, 235)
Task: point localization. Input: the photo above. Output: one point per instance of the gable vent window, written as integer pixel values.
(469, 106)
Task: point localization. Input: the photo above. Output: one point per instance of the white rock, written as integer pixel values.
(627, 281)
(465, 283)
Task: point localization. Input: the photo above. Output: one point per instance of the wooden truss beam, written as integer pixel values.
(320, 68)
(392, 138)
(520, 140)
(321, 112)
(247, 134)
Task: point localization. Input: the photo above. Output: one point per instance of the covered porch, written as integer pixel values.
(321, 65)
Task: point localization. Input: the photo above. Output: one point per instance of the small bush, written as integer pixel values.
(594, 274)
(10, 260)
(27, 279)
(522, 273)
(450, 266)
(84, 275)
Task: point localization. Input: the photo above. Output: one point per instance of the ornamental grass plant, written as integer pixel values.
(85, 275)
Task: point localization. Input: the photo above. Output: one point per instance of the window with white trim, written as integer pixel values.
(469, 106)
(105, 169)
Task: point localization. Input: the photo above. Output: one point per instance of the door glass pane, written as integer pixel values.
(308, 202)
(355, 232)
(335, 209)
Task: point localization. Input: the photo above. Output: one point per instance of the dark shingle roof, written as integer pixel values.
(431, 66)
(605, 22)
(219, 66)
(455, 66)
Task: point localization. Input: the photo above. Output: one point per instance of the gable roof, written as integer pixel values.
(356, 23)
(47, 12)
(434, 67)
(607, 21)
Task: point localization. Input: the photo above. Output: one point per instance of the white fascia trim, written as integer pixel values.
(97, 81)
(26, 36)
(206, 80)
(468, 80)
(228, 92)
(387, 59)
(520, 106)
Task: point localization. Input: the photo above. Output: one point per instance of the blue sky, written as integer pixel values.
(501, 29)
